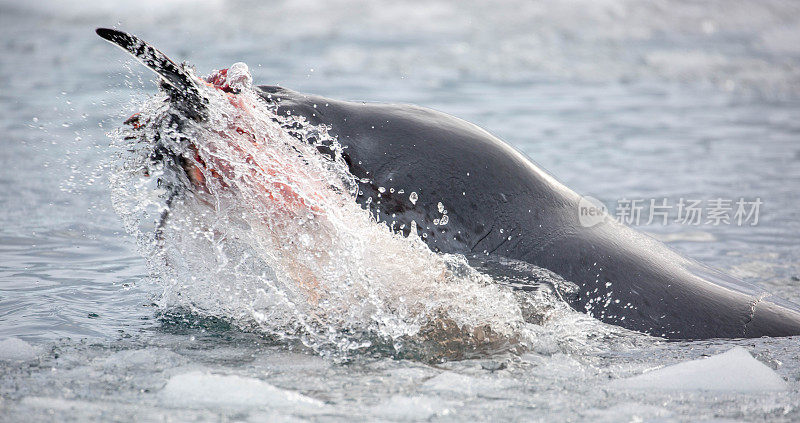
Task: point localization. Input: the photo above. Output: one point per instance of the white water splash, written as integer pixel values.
(269, 237)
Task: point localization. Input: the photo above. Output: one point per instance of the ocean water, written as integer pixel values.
(619, 100)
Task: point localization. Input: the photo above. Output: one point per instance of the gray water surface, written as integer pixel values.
(617, 99)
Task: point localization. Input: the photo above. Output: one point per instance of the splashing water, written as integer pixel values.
(246, 220)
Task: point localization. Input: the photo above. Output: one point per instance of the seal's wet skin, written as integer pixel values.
(499, 203)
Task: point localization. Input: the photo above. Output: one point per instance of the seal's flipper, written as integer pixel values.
(182, 86)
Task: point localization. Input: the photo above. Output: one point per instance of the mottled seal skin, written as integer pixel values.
(498, 202)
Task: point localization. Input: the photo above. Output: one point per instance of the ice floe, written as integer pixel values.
(202, 389)
(15, 349)
(734, 370)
